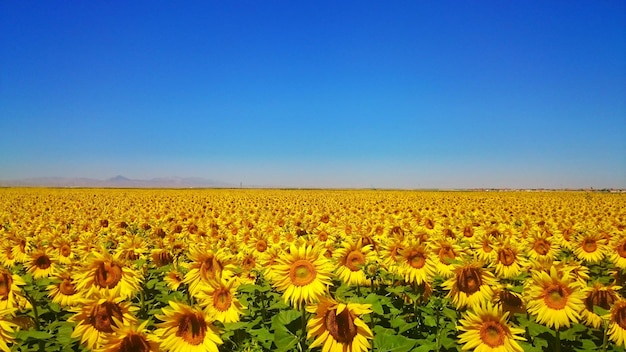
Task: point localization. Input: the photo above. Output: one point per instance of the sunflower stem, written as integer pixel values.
(557, 335)
(605, 337)
(303, 333)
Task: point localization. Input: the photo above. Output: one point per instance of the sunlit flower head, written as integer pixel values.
(219, 300)
(554, 299)
(351, 259)
(415, 263)
(618, 252)
(64, 291)
(303, 275)
(40, 263)
(338, 326)
(589, 247)
(485, 328)
(186, 329)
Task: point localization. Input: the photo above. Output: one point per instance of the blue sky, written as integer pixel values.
(403, 94)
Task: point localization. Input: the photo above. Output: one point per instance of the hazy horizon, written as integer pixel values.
(410, 94)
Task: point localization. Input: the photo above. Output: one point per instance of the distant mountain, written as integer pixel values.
(118, 181)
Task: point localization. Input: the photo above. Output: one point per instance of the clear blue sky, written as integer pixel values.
(316, 93)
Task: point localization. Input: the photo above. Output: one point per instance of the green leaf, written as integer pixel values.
(429, 320)
(263, 336)
(33, 334)
(374, 300)
(284, 339)
(573, 333)
(285, 317)
(388, 340)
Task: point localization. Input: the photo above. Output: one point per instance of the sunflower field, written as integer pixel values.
(321, 270)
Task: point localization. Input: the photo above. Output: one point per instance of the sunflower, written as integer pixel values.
(617, 322)
(10, 292)
(507, 299)
(415, 263)
(337, 326)
(40, 263)
(173, 278)
(219, 300)
(64, 250)
(97, 316)
(104, 272)
(6, 255)
(486, 329)
(129, 338)
(7, 329)
(601, 296)
(470, 284)
(186, 329)
(590, 247)
(542, 247)
(352, 258)
(618, 254)
(206, 265)
(446, 252)
(64, 291)
(303, 275)
(554, 298)
(509, 261)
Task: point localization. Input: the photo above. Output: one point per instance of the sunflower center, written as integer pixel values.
(192, 328)
(67, 287)
(210, 267)
(446, 254)
(355, 260)
(542, 247)
(43, 262)
(469, 280)
(589, 245)
(108, 274)
(509, 299)
(102, 315)
(302, 272)
(134, 343)
(65, 250)
(556, 297)
(6, 281)
(487, 246)
(261, 245)
(492, 334)
(506, 256)
(417, 259)
(621, 250)
(468, 231)
(341, 327)
(600, 298)
(222, 299)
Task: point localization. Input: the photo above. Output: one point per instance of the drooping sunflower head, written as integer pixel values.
(98, 316)
(485, 328)
(186, 329)
(129, 338)
(617, 322)
(470, 284)
(601, 296)
(338, 326)
(207, 264)
(10, 292)
(303, 275)
(104, 272)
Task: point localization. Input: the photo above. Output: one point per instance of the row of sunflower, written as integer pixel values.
(183, 270)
